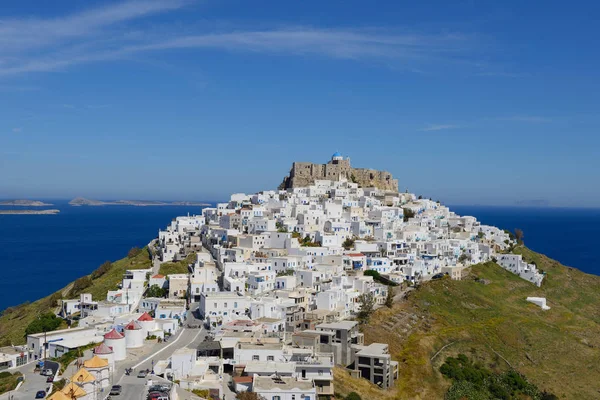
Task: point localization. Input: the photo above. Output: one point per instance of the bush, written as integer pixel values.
(54, 299)
(5, 374)
(80, 285)
(134, 252)
(103, 269)
(348, 244)
(353, 396)
(155, 291)
(45, 323)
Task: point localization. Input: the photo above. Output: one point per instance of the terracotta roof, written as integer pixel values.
(96, 362)
(73, 391)
(133, 326)
(242, 379)
(103, 348)
(82, 376)
(158, 276)
(145, 317)
(356, 255)
(113, 335)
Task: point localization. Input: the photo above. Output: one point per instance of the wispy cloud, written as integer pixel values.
(526, 118)
(438, 127)
(42, 45)
(17, 130)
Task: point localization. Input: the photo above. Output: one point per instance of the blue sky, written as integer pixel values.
(469, 102)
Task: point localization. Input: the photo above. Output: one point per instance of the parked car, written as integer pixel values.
(40, 394)
(47, 372)
(142, 374)
(115, 390)
(438, 276)
(50, 379)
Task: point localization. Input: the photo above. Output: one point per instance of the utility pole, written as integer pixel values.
(45, 345)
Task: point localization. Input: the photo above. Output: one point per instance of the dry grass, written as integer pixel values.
(495, 325)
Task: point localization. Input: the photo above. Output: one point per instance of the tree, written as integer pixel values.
(133, 252)
(464, 257)
(519, 235)
(155, 291)
(480, 235)
(367, 304)
(420, 197)
(408, 213)
(348, 243)
(389, 299)
(44, 323)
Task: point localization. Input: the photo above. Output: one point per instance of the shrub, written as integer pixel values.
(134, 252)
(348, 244)
(155, 291)
(54, 299)
(80, 285)
(45, 323)
(101, 270)
(353, 396)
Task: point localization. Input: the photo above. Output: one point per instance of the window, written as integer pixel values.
(270, 358)
(276, 398)
(255, 358)
(225, 305)
(215, 305)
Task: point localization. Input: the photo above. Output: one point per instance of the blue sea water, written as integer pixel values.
(569, 235)
(40, 254)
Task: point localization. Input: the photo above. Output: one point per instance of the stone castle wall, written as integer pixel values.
(305, 174)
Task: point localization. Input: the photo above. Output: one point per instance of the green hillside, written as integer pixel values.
(487, 318)
(14, 320)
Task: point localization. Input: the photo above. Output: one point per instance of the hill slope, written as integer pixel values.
(487, 317)
(14, 320)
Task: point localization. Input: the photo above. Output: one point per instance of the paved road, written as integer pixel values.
(33, 382)
(132, 385)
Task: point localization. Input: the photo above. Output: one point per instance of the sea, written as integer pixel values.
(40, 254)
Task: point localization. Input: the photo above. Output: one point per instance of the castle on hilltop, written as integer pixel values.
(338, 168)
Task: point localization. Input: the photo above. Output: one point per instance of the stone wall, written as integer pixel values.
(305, 174)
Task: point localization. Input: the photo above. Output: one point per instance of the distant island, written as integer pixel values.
(24, 203)
(29, 212)
(80, 201)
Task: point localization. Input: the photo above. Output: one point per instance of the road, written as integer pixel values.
(134, 387)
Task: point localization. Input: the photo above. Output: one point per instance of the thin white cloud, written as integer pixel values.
(527, 118)
(33, 33)
(438, 127)
(43, 45)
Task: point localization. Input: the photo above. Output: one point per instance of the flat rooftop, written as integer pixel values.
(268, 383)
(259, 346)
(78, 342)
(374, 349)
(338, 325)
(257, 367)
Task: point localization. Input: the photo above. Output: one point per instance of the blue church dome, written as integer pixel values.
(336, 154)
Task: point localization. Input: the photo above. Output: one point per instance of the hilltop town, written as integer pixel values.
(267, 292)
